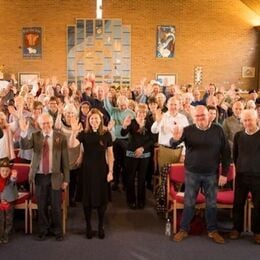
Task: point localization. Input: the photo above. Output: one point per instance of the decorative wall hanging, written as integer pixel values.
(32, 42)
(165, 41)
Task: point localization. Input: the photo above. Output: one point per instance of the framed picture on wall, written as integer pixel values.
(32, 42)
(28, 78)
(248, 72)
(165, 41)
(166, 79)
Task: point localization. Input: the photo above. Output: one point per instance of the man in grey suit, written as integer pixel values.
(49, 171)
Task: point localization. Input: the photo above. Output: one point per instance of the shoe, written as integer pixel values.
(234, 234)
(5, 239)
(132, 205)
(217, 238)
(41, 237)
(180, 236)
(59, 237)
(89, 233)
(101, 233)
(257, 238)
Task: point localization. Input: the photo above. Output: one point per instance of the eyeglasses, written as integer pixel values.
(202, 115)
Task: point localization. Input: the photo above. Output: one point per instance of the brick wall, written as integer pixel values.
(217, 35)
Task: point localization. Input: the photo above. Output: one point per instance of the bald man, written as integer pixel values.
(206, 147)
(246, 152)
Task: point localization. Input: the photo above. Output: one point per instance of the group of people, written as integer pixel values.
(84, 139)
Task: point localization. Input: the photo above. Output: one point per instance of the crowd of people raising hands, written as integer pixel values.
(102, 134)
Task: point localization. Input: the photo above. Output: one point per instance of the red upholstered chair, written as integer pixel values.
(175, 198)
(23, 195)
(225, 197)
(250, 207)
(33, 206)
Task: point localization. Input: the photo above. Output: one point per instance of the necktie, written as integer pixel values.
(45, 155)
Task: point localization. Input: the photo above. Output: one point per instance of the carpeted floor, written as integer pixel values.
(130, 234)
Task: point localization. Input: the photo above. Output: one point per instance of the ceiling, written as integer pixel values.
(254, 5)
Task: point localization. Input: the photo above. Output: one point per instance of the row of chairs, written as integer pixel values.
(27, 200)
(225, 197)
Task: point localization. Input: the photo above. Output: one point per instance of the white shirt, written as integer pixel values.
(166, 125)
(4, 151)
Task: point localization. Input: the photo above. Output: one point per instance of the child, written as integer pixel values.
(8, 194)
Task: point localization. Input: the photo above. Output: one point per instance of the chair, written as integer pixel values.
(175, 198)
(24, 194)
(33, 206)
(225, 196)
(250, 207)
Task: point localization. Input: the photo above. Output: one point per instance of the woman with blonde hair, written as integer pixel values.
(97, 168)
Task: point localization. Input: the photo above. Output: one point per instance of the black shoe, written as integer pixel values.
(132, 205)
(41, 237)
(89, 233)
(101, 233)
(59, 237)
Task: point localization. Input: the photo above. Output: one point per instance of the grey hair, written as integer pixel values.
(249, 112)
(39, 120)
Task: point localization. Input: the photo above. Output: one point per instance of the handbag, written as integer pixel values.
(168, 155)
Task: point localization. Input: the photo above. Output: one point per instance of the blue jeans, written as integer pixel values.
(193, 183)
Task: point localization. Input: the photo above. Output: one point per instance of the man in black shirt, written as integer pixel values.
(206, 146)
(246, 152)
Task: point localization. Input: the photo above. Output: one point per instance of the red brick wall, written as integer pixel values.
(217, 35)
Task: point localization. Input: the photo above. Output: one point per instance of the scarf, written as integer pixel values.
(3, 182)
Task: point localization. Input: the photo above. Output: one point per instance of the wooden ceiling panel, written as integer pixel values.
(253, 5)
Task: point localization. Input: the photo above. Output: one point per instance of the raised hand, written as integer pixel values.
(75, 125)
(13, 174)
(127, 121)
(158, 115)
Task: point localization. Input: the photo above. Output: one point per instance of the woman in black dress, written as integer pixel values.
(138, 154)
(97, 167)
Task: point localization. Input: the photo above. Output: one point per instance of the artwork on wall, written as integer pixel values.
(198, 75)
(102, 47)
(248, 72)
(28, 78)
(165, 41)
(166, 79)
(32, 42)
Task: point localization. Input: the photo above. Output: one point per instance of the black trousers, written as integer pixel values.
(46, 196)
(243, 185)
(119, 149)
(136, 167)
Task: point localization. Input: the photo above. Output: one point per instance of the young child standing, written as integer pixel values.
(8, 194)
